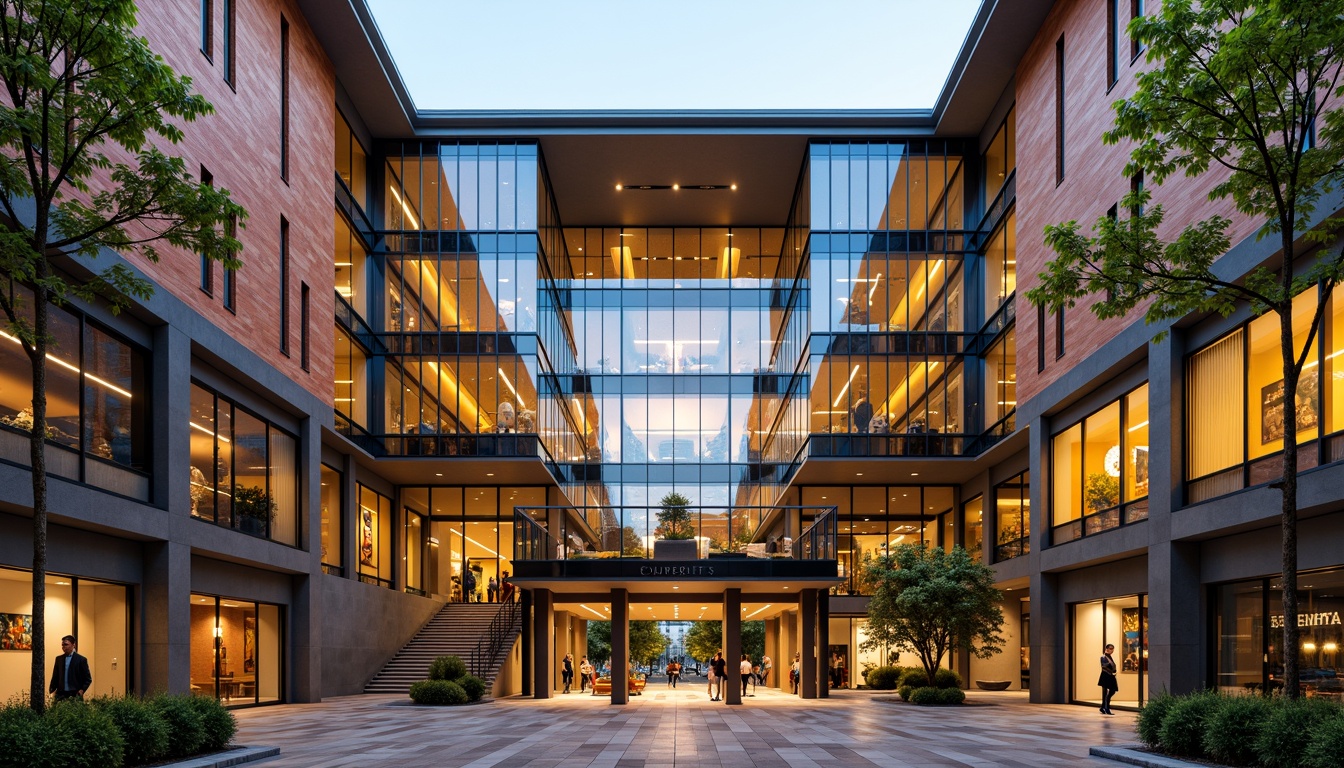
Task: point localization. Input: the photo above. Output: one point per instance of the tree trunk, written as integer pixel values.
(37, 442)
(1288, 516)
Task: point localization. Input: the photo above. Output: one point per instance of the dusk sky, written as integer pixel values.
(690, 54)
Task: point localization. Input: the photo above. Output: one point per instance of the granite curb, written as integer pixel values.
(235, 756)
(1134, 755)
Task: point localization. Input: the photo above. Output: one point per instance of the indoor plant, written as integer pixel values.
(676, 534)
(253, 509)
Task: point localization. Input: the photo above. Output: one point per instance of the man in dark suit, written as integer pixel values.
(71, 677)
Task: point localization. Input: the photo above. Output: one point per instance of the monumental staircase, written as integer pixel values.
(481, 634)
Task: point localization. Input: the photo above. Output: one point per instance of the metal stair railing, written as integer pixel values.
(492, 643)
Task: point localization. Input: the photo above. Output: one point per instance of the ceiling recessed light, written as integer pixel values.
(914, 474)
(619, 187)
(733, 187)
(676, 187)
(438, 474)
(489, 474)
(858, 474)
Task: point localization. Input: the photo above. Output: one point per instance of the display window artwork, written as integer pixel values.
(366, 524)
(16, 632)
(249, 644)
(1271, 408)
(1135, 627)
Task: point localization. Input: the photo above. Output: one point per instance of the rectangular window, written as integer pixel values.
(229, 275)
(284, 286)
(332, 499)
(1135, 45)
(208, 28)
(284, 99)
(207, 266)
(973, 513)
(1059, 333)
(373, 537)
(352, 162)
(1099, 464)
(1059, 111)
(1013, 517)
(1040, 338)
(1136, 186)
(303, 325)
(1215, 397)
(1114, 30)
(227, 50)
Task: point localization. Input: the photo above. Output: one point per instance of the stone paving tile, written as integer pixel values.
(671, 728)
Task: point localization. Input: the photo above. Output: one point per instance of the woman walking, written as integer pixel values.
(1107, 679)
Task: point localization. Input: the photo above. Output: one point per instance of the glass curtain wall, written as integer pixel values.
(462, 532)
(1100, 470)
(1012, 500)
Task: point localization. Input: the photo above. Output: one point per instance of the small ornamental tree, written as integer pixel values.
(674, 517)
(933, 602)
(85, 108)
(706, 637)
(1250, 90)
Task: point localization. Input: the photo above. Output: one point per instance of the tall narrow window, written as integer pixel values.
(229, 283)
(1040, 338)
(284, 99)
(1114, 30)
(1136, 46)
(207, 266)
(1136, 186)
(284, 286)
(227, 50)
(208, 28)
(1059, 110)
(1059, 332)
(303, 325)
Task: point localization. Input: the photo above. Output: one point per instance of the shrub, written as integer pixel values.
(1286, 733)
(473, 685)
(1325, 747)
(81, 736)
(1183, 728)
(217, 722)
(884, 678)
(23, 734)
(914, 678)
(904, 692)
(447, 668)
(937, 696)
(145, 735)
(1151, 716)
(946, 678)
(1233, 729)
(438, 693)
(186, 732)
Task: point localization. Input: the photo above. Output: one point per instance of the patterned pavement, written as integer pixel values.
(682, 727)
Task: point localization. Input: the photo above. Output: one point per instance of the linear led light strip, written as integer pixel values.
(473, 541)
(509, 384)
(406, 209)
(845, 388)
(75, 369)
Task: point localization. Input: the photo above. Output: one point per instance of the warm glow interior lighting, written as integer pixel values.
(1139, 426)
(758, 610)
(473, 541)
(509, 384)
(596, 612)
(845, 388)
(728, 263)
(75, 369)
(415, 224)
(194, 425)
(622, 262)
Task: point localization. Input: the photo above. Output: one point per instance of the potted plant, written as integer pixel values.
(253, 509)
(1101, 491)
(676, 534)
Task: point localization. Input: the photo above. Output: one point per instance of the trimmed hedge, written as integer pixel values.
(447, 668)
(81, 737)
(186, 732)
(937, 696)
(1268, 732)
(884, 678)
(217, 723)
(438, 693)
(145, 735)
(946, 678)
(473, 685)
(914, 678)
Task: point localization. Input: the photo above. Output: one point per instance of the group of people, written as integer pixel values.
(751, 674)
(496, 590)
(587, 674)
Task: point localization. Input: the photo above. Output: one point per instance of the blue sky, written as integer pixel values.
(679, 54)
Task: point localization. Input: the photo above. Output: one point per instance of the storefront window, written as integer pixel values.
(1249, 635)
(97, 613)
(244, 471)
(974, 512)
(1093, 462)
(236, 650)
(374, 537)
(1013, 517)
(1122, 622)
(332, 498)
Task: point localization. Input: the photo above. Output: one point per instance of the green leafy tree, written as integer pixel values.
(705, 638)
(674, 517)
(1239, 87)
(86, 106)
(933, 602)
(647, 642)
(599, 642)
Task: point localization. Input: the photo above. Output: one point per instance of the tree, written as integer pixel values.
(674, 518)
(932, 602)
(1249, 89)
(85, 105)
(646, 641)
(705, 638)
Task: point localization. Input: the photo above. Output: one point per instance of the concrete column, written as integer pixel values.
(581, 634)
(620, 646)
(305, 685)
(528, 641)
(807, 642)
(824, 644)
(788, 645)
(732, 645)
(1047, 640)
(543, 650)
(772, 650)
(166, 617)
(560, 631)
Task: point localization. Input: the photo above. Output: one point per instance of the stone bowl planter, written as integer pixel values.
(993, 685)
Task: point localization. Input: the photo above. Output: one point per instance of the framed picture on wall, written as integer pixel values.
(1133, 640)
(16, 632)
(249, 644)
(366, 523)
(1271, 408)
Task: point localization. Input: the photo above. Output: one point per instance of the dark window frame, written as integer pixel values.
(303, 325)
(229, 289)
(1113, 33)
(1040, 338)
(284, 286)
(1059, 111)
(1059, 333)
(207, 264)
(228, 49)
(284, 99)
(207, 20)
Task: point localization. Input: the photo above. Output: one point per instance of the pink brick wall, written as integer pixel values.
(1094, 178)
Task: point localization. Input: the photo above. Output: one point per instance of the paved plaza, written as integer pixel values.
(682, 727)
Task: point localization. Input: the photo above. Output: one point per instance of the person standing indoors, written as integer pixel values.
(795, 672)
(1107, 681)
(840, 680)
(567, 671)
(468, 586)
(585, 671)
(492, 589)
(720, 671)
(745, 669)
(71, 677)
